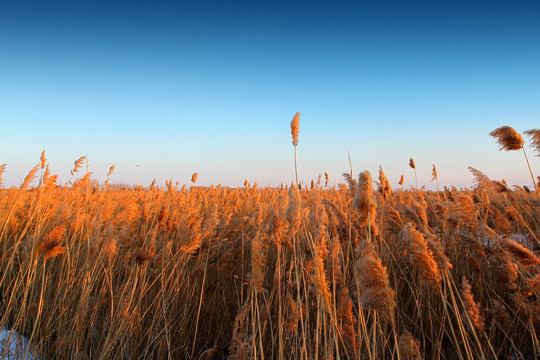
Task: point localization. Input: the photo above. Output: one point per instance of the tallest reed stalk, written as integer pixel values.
(295, 129)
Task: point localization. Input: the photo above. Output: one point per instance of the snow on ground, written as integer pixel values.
(14, 346)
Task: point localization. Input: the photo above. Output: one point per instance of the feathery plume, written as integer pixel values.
(30, 177)
(347, 321)
(142, 255)
(78, 164)
(111, 170)
(43, 160)
(505, 273)
(194, 177)
(50, 246)
(292, 214)
(295, 128)
(240, 346)
(413, 166)
(294, 315)
(384, 185)
(373, 285)
(364, 202)
(421, 256)
(508, 138)
(49, 180)
(523, 255)
(434, 175)
(409, 349)
(534, 134)
(402, 180)
(350, 181)
(481, 180)
(326, 179)
(471, 311)
(110, 248)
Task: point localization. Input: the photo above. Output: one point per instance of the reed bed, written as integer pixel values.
(103, 271)
(92, 271)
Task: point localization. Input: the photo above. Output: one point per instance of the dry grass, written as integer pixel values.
(110, 272)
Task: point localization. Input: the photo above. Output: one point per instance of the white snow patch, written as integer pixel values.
(14, 346)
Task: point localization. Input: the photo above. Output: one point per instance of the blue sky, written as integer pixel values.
(211, 86)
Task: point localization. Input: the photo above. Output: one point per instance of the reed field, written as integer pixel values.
(302, 271)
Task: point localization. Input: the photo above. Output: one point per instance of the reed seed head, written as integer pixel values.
(30, 177)
(374, 286)
(43, 159)
(471, 314)
(421, 256)
(111, 170)
(50, 247)
(78, 164)
(364, 202)
(411, 163)
(409, 347)
(534, 134)
(508, 138)
(295, 128)
(384, 185)
(520, 253)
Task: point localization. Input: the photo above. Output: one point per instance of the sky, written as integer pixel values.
(165, 89)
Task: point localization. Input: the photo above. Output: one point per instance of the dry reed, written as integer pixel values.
(295, 128)
(508, 138)
(262, 272)
(534, 134)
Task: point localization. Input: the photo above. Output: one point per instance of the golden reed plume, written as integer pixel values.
(471, 314)
(520, 253)
(373, 284)
(50, 247)
(384, 185)
(111, 170)
(409, 347)
(534, 134)
(78, 164)
(508, 138)
(43, 159)
(295, 128)
(364, 202)
(30, 177)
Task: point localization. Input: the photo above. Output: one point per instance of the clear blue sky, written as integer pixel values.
(211, 86)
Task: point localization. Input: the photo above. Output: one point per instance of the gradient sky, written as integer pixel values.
(211, 87)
